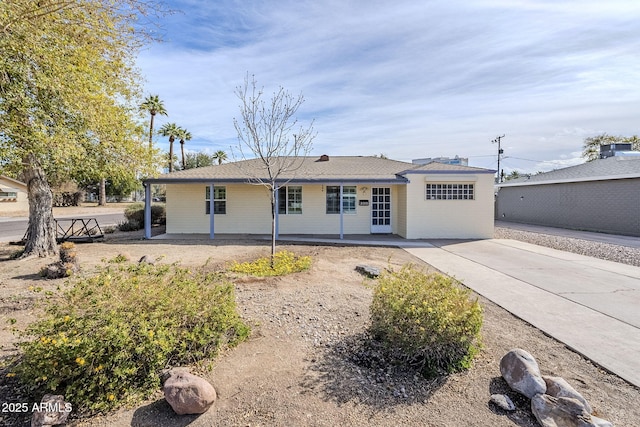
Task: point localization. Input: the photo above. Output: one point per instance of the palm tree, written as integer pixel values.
(220, 156)
(184, 135)
(171, 130)
(153, 105)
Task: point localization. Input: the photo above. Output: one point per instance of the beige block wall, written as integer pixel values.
(248, 211)
(455, 219)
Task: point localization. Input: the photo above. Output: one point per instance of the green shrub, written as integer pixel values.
(426, 320)
(129, 225)
(104, 342)
(135, 212)
(284, 262)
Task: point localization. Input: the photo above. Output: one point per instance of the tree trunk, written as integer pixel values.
(151, 132)
(274, 212)
(170, 155)
(102, 197)
(41, 232)
(184, 165)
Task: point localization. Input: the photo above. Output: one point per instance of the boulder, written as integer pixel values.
(188, 393)
(563, 412)
(558, 387)
(503, 401)
(367, 270)
(520, 370)
(51, 411)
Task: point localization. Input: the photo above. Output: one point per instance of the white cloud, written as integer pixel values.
(410, 79)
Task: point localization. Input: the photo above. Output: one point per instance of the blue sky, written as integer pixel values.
(410, 79)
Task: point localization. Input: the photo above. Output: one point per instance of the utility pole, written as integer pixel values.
(500, 151)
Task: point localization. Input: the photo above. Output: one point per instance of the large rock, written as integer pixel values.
(51, 411)
(188, 393)
(520, 370)
(563, 412)
(558, 387)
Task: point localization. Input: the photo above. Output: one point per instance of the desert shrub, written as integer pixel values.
(104, 341)
(284, 262)
(426, 320)
(129, 225)
(68, 252)
(135, 212)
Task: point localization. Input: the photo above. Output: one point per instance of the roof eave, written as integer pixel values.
(570, 180)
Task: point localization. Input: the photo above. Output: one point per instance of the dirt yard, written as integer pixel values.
(308, 362)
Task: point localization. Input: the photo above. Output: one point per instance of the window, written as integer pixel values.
(219, 200)
(450, 192)
(290, 200)
(10, 196)
(348, 200)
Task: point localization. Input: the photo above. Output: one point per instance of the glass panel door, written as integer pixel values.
(380, 209)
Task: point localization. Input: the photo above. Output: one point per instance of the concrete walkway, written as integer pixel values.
(591, 305)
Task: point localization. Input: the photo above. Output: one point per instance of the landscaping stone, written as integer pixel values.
(503, 402)
(563, 412)
(520, 370)
(146, 259)
(188, 393)
(367, 270)
(558, 387)
(53, 411)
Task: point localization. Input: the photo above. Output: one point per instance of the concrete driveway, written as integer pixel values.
(591, 305)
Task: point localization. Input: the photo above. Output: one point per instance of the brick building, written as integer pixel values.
(602, 195)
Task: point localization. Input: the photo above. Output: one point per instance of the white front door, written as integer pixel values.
(380, 210)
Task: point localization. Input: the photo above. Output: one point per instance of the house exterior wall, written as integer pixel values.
(19, 204)
(248, 211)
(609, 206)
(452, 219)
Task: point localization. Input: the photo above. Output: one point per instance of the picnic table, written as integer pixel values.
(78, 230)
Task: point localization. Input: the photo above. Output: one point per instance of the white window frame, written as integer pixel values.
(219, 203)
(449, 191)
(292, 202)
(349, 199)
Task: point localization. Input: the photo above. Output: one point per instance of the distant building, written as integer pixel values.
(602, 195)
(460, 161)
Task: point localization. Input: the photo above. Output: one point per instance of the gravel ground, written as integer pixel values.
(607, 251)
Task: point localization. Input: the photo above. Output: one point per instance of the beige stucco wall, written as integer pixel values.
(455, 219)
(18, 206)
(248, 211)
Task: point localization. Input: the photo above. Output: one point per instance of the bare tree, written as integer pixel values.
(266, 132)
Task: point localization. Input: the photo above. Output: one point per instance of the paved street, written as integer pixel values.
(12, 229)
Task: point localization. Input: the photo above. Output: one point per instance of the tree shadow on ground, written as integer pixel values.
(356, 369)
(522, 416)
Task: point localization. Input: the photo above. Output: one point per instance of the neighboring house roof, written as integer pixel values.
(596, 170)
(11, 185)
(335, 169)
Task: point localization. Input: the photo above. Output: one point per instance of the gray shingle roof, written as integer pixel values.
(597, 170)
(337, 168)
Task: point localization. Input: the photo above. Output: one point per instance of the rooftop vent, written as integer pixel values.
(609, 150)
(323, 158)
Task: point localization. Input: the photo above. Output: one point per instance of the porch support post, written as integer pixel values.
(277, 212)
(147, 210)
(341, 213)
(211, 213)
